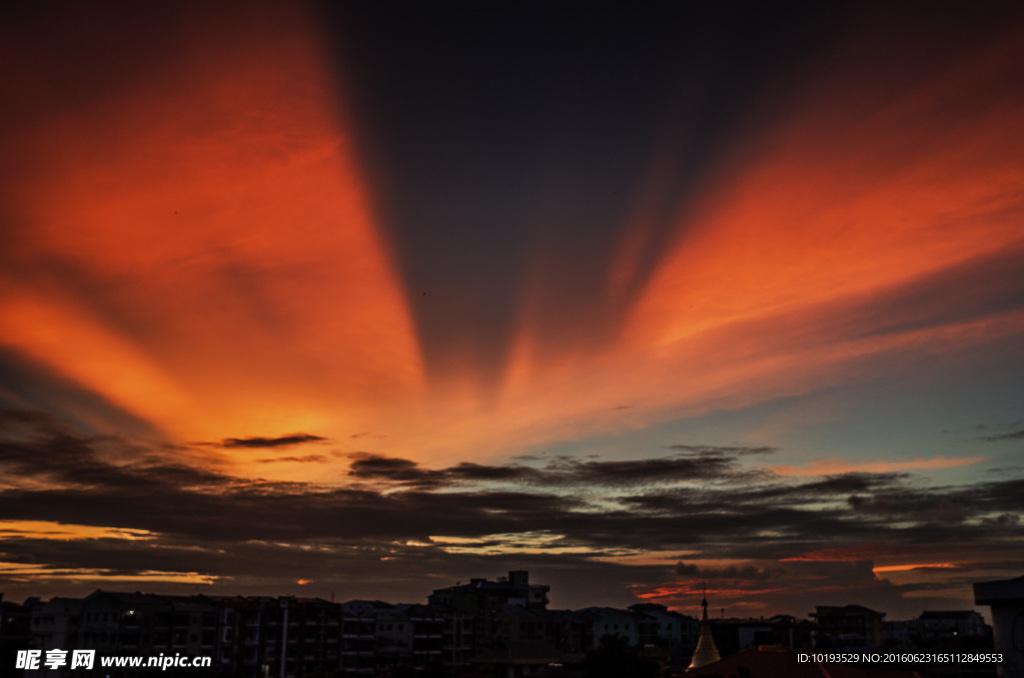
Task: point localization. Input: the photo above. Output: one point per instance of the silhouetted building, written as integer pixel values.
(457, 637)
(117, 623)
(264, 636)
(244, 625)
(796, 634)
(950, 624)
(736, 635)
(517, 658)
(481, 628)
(563, 630)
(15, 633)
(484, 601)
(610, 621)
(900, 635)
(186, 625)
(662, 628)
(54, 624)
(772, 661)
(514, 589)
(851, 627)
(1006, 599)
(359, 636)
(425, 635)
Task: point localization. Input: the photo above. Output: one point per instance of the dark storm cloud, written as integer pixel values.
(281, 441)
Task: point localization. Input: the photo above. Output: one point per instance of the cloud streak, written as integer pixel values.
(840, 466)
(280, 441)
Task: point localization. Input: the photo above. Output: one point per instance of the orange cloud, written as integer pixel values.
(674, 592)
(904, 568)
(101, 577)
(43, 529)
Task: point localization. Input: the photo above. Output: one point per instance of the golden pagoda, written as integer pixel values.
(706, 652)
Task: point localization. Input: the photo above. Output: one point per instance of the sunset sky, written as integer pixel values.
(365, 298)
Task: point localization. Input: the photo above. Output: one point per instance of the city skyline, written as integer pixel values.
(323, 297)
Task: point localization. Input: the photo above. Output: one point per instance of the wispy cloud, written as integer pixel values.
(723, 449)
(1010, 435)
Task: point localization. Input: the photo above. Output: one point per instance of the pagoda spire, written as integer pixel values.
(706, 652)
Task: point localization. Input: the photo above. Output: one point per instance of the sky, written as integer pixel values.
(366, 299)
